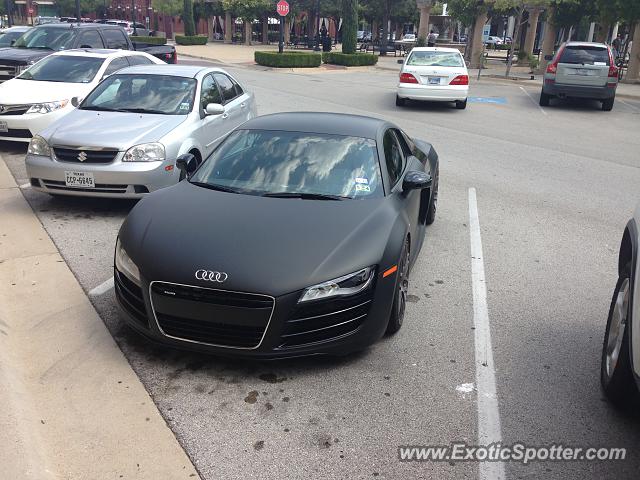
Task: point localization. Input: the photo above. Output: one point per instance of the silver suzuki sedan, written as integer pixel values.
(124, 138)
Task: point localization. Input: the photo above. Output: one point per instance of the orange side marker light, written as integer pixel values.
(390, 271)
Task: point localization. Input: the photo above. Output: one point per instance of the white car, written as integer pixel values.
(433, 74)
(492, 40)
(620, 361)
(42, 94)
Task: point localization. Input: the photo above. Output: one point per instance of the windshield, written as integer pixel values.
(431, 58)
(288, 163)
(51, 38)
(585, 55)
(64, 68)
(142, 93)
(7, 38)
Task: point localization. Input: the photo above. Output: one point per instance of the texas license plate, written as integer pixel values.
(3, 127)
(584, 71)
(433, 80)
(79, 179)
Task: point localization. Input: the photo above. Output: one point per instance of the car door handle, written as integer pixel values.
(225, 115)
(242, 105)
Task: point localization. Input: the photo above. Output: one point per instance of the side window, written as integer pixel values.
(210, 92)
(404, 144)
(115, 65)
(393, 156)
(115, 38)
(90, 39)
(138, 60)
(226, 86)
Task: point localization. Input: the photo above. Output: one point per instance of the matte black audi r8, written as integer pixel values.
(295, 237)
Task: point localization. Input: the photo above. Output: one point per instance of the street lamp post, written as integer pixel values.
(317, 47)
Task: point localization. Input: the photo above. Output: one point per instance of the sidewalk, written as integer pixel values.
(72, 407)
(242, 56)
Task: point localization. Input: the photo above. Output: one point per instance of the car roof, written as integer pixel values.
(76, 25)
(17, 29)
(319, 122)
(434, 49)
(586, 44)
(173, 70)
(97, 52)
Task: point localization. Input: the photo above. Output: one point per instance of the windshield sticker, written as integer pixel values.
(185, 106)
(362, 188)
(361, 180)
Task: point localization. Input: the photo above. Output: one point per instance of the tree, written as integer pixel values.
(168, 7)
(187, 18)
(248, 10)
(349, 26)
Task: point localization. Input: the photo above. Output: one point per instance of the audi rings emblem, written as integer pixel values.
(211, 276)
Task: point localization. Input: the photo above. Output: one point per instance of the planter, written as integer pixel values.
(350, 59)
(192, 40)
(288, 59)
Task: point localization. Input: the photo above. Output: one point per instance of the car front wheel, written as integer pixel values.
(400, 294)
(616, 374)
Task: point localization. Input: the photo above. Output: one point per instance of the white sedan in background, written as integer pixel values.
(433, 74)
(42, 94)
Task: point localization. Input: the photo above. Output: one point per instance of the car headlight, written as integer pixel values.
(39, 146)
(48, 107)
(125, 265)
(147, 152)
(347, 285)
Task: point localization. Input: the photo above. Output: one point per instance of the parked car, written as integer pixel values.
(620, 361)
(45, 20)
(42, 94)
(581, 70)
(296, 237)
(9, 35)
(492, 40)
(124, 138)
(43, 40)
(435, 74)
(409, 37)
(128, 26)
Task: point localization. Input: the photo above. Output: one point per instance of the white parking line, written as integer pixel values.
(102, 288)
(632, 107)
(534, 102)
(25, 185)
(489, 429)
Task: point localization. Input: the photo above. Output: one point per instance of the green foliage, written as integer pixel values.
(249, 9)
(350, 59)
(150, 40)
(287, 59)
(465, 11)
(421, 42)
(168, 7)
(187, 19)
(191, 39)
(349, 26)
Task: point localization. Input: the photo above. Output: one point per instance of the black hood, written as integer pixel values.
(22, 56)
(266, 245)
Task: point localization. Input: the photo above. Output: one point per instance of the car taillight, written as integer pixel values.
(613, 71)
(408, 78)
(460, 80)
(552, 68)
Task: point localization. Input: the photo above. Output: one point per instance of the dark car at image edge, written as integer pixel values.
(295, 237)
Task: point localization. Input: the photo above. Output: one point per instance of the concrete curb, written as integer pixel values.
(72, 407)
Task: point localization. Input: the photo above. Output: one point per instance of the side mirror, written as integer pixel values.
(400, 62)
(75, 101)
(467, 63)
(187, 164)
(548, 58)
(12, 42)
(214, 109)
(415, 180)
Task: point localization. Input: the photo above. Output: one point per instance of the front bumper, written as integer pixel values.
(117, 179)
(446, 93)
(23, 127)
(578, 91)
(337, 327)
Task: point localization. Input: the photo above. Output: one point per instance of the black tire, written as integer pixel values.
(616, 374)
(400, 295)
(433, 201)
(461, 104)
(400, 102)
(544, 99)
(607, 105)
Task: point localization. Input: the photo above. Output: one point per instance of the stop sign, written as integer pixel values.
(282, 8)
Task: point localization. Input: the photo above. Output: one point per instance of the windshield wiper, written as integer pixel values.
(143, 110)
(101, 109)
(305, 196)
(213, 186)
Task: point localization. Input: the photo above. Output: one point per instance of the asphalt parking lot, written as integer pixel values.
(553, 190)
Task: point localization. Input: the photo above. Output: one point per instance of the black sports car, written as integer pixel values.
(295, 237)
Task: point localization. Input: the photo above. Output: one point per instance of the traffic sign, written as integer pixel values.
(283, 8)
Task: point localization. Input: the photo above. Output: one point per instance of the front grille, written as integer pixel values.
(90, 156)
(326, 320)
(14, 109)
(210, 316)
(17, 133)
(130, 296)
(7, 72)
(99, 188)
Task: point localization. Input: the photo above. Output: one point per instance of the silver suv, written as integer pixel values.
(582, 70)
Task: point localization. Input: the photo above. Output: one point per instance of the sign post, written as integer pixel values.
(283, 10)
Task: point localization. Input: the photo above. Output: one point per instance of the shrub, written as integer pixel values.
(350, 59)
(191, 40)
(421, 42)
(150, 40)
(287, 59)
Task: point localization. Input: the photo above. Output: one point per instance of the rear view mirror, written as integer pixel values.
(187, 164)
(75, 101)
(548, 58)
(214, 109)
(415, 180)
